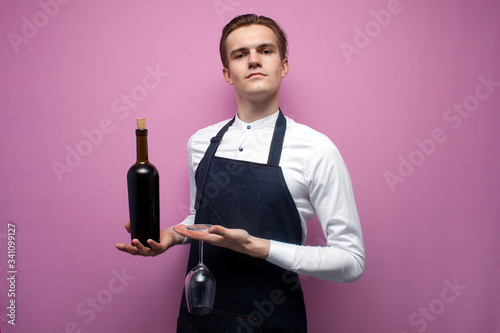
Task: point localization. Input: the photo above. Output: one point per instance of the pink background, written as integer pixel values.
(380, 78)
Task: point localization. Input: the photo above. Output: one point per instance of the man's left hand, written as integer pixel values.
(235, 239)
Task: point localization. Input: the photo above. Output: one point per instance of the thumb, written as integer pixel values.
(127, 226)
(217, 230)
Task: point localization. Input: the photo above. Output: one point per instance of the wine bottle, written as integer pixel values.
(143, 191)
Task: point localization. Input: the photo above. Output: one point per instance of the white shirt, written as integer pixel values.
(318, 181)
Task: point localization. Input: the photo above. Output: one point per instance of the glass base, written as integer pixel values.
(199, 227)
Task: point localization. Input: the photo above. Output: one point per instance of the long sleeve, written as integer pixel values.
(330, 193)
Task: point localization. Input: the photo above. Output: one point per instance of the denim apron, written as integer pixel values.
(252, 295)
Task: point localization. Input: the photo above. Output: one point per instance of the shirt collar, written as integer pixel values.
(263, 122)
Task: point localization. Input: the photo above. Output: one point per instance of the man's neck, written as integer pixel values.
(250, 111)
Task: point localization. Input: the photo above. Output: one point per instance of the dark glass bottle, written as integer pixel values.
(143, 192)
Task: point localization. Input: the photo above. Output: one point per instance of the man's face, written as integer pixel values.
(255, 67)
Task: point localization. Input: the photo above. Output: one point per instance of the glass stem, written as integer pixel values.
(201, 253)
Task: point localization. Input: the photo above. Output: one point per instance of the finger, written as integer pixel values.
(217, 230)
(127, 248)
(195, 235)
(181, 230)
(143, 251)
(156, 247)
(180, 227)
(127, 226)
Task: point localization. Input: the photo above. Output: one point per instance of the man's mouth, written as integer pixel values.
(255, 74)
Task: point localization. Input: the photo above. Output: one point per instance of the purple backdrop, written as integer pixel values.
(408, 90)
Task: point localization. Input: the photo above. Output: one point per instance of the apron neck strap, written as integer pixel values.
(202, 171)
(277, 143)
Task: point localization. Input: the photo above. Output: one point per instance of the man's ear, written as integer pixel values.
(284, 67)
(227, 76)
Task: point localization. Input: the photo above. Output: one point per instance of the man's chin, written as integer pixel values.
(259, 92)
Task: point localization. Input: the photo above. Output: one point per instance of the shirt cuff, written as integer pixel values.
(189, 220)
(281, 254)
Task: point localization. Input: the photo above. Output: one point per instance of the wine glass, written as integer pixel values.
(200, 282)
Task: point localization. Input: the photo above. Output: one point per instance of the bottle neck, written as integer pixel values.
(142, 145)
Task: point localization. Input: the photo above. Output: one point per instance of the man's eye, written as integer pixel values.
(266, 52)
(239, 56)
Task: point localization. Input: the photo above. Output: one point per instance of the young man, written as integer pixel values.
(259, 179)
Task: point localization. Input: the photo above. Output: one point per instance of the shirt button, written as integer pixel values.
(240, 149)
(248, 126)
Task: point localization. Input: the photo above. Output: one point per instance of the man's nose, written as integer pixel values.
(253, 60)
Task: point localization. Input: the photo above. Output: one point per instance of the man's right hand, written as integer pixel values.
(168, 238)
